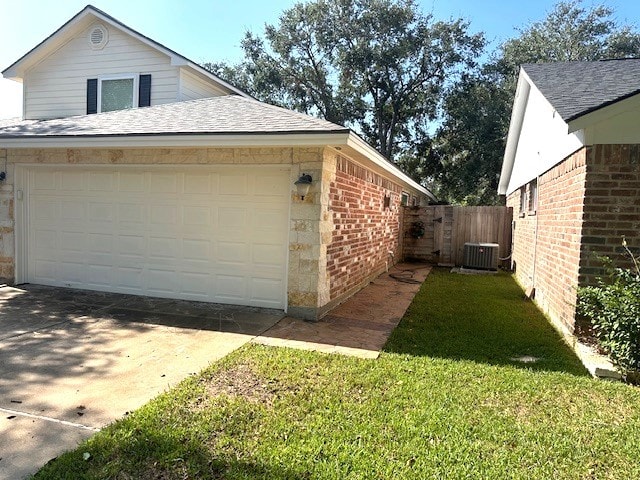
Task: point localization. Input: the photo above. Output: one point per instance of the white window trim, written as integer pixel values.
(404, 199)
(121, 76)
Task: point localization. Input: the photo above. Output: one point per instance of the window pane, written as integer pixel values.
(116, 94)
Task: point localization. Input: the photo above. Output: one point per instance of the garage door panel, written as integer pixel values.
(73, 242)
(217, 234)
(99, 276)
(45, 271)
(198, 184)
(101, 213)
(131, 182)
(197, 215)
(163, 183)
(271, 186)
(45, 240)
(233, 253)
(263, 290)
(45, 209)
(70, 273)
(268, 255)
(131, 245)
(194, 249)
(233, 184)
(101, 181)
(131, 213)
(73, 181)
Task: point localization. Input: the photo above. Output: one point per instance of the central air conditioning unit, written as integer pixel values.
(481, 256)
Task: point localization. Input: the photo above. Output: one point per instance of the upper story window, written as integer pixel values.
(117, 93)
(404, 199)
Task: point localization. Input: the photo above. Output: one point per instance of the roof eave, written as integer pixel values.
(211, 139)
(338, 138)
(15, 70)
(362, 147)
(515, 128)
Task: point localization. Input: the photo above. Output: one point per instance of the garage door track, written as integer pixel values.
(72, 361)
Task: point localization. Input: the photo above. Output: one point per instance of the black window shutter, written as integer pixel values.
(92, 95)
(144, 91)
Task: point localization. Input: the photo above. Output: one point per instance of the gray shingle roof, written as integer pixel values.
(230, 114)
(577, 88)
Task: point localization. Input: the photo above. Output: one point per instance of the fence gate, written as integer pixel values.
(437, 234)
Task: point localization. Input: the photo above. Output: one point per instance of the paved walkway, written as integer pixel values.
(362, 324)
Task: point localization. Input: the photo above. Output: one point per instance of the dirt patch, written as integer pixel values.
(241, 381)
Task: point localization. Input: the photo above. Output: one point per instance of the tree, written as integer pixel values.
(379, 66)
(465, 155)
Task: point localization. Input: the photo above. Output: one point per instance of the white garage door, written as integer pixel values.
(210, 234)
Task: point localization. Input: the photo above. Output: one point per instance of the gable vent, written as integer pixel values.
(98, 37)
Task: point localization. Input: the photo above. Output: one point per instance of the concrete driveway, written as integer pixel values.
(72, 361)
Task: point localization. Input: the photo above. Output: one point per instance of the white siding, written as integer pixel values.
(56, 87)
(617, 124)
(193, 87)
(544, 141)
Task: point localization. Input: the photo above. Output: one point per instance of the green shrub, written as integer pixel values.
(613, 307)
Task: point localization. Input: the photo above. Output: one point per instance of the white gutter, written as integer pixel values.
(515, 127)
(172, 140)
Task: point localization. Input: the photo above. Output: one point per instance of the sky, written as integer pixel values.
(211, 30)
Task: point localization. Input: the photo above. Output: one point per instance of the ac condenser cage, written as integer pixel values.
(481, 256)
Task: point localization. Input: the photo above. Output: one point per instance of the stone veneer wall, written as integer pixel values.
(546, 244)
(308, 285)
(364, 231)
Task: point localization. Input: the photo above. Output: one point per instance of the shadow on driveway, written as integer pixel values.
(72, 361)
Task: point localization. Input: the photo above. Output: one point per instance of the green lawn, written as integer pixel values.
(445, 400)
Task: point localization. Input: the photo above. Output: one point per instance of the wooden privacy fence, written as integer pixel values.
(437, 234)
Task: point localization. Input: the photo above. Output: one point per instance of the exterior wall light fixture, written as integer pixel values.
(303, 184)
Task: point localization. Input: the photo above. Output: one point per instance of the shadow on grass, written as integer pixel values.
(482, 318)
(153, 453)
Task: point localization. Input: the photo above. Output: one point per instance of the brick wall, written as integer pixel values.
(364, 230)
(546, 243)
(612, 207)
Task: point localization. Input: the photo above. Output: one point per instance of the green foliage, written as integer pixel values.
(410, 84)
(463, 160)
(613, 307)
(380, 66)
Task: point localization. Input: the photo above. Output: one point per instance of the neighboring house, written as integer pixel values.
(571, 172)
(191, 197)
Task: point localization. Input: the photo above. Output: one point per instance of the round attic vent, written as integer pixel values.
(98, 37)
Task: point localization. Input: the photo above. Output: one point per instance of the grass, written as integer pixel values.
(444, 401)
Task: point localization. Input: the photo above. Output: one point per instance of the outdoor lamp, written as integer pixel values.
(303, 184)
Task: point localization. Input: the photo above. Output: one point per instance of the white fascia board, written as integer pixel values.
(218, 80)
(49, 44)
(362, 147)
(151, 141)
(515, 128)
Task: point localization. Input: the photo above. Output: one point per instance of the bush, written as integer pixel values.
(613, 307)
